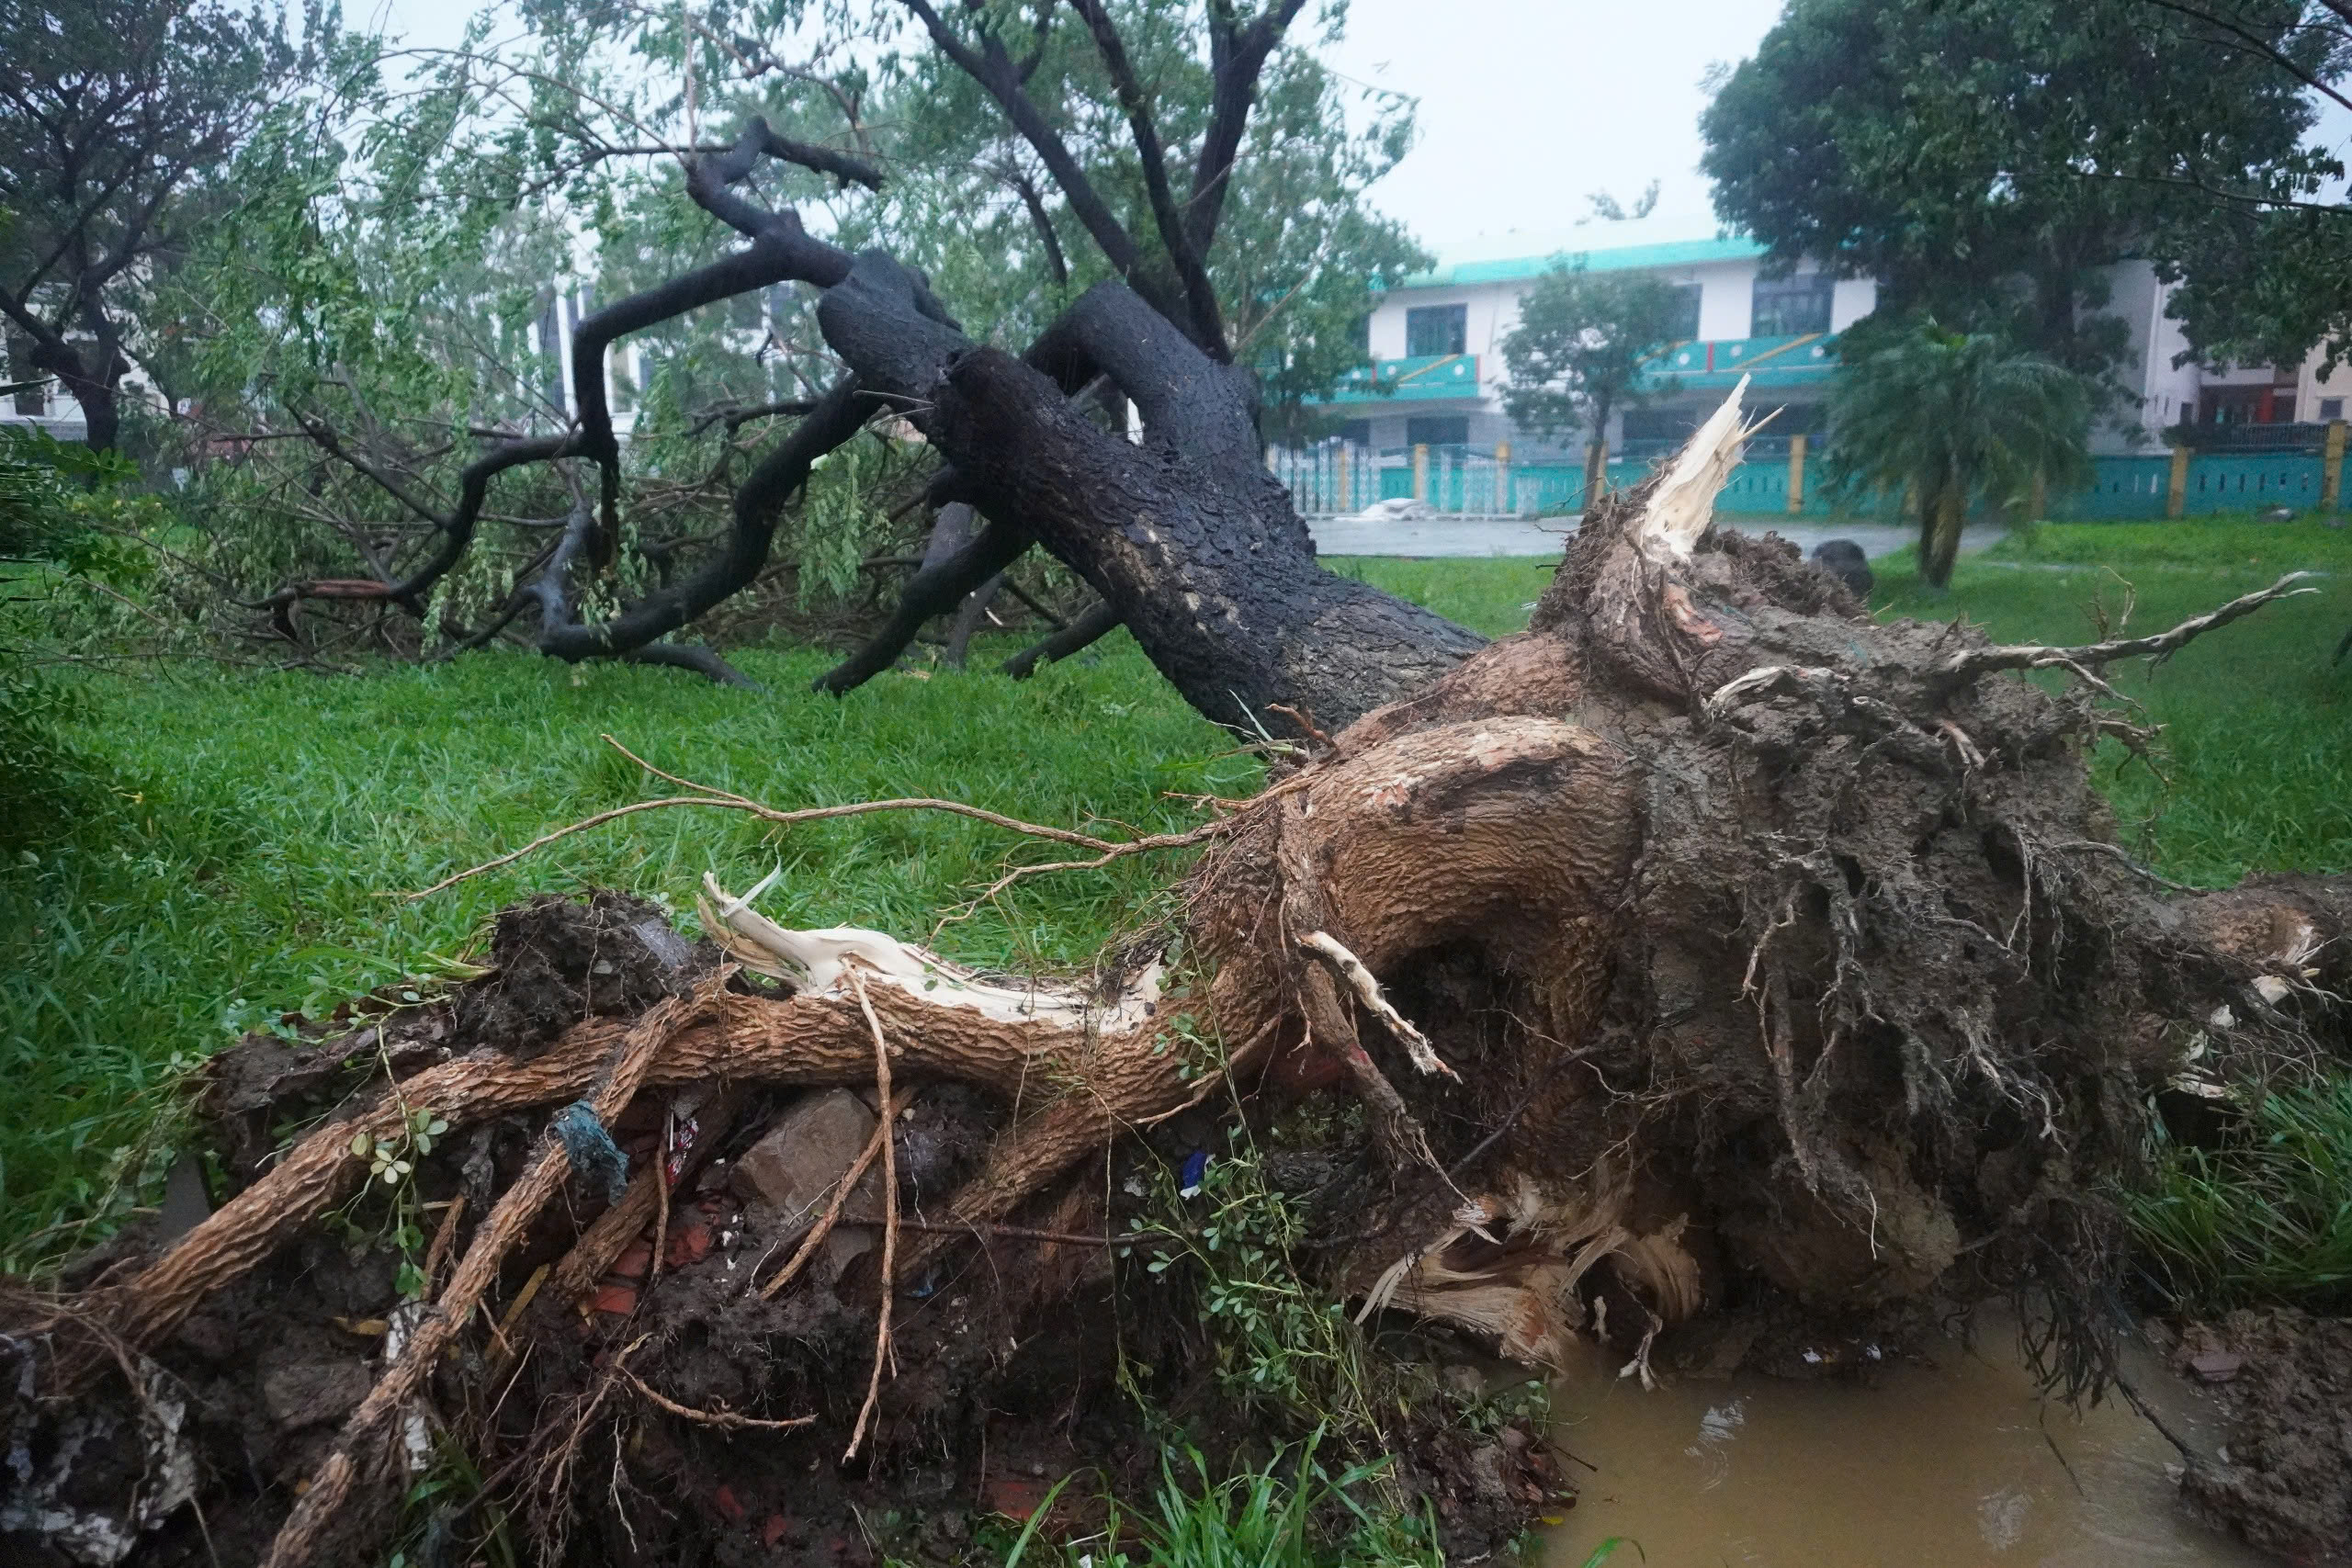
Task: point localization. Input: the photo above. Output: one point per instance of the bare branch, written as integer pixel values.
(933, 590)
(1098, 621)
(2253, 43)
(1961, 668)
(728, 800)
(1208, 325)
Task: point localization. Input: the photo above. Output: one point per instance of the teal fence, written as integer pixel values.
(2121, 489)
(2218, 483)
(1322, 483)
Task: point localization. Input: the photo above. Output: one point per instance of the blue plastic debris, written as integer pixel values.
(1196, 1164)
(590, 1148)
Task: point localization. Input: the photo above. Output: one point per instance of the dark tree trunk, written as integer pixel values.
(94, 393)
(1188, 538)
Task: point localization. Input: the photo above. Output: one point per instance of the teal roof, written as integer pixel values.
(1679, 252)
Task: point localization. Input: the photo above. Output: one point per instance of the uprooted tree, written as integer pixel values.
(1708, 940)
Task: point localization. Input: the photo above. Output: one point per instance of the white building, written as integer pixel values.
(44, 405)
(1437, 343)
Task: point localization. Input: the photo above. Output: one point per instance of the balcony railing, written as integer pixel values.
(1708, 363)
(1415, 378)
(2280, 437)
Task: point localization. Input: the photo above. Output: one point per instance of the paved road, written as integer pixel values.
(1514, 536)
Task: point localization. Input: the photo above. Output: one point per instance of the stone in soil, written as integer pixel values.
(790, 1175)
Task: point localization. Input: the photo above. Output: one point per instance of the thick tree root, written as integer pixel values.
(361, 1450)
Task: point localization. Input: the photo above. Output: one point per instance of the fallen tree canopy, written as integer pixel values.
(1707, 944)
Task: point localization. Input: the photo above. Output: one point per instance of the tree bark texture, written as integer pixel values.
(1185, 535)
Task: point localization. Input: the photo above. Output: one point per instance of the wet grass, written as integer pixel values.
(1490, 596)
(2264, 1219)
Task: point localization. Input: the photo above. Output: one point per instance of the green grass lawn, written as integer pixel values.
(260, 826)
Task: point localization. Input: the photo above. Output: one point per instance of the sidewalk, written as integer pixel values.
(1449, 537)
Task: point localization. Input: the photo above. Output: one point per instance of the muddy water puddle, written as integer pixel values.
(1956, 1465)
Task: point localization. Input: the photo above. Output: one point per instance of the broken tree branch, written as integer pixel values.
(1966, 666)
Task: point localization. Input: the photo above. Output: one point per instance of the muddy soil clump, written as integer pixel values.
(2283, 1479)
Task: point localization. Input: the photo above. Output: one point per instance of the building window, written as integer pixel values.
(1787, 306)
(1356, 433)
(2330, 409)
(1436, 329)
(1660, 425)
(1438, 432)
(1686, 313)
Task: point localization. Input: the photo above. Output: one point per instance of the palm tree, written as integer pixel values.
(1956, 418)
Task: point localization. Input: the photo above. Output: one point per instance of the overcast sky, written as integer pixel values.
(1525, 105)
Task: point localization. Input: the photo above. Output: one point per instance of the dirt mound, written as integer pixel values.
(2283, 1482)
(557, 960)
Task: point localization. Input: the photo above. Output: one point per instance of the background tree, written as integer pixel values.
(1986, 161)
(113, 115)
(1955, 419)
(2260, 253)
(1577, 353)
(1001, 178)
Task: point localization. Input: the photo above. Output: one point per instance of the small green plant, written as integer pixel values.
(450, 1489)
(2264, 1218)
(1281, 1345)
(392, 1163)
(1265, 1518)
(390, 1159)
(1290, 1512)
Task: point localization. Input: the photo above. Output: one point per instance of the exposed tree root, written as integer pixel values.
(365, 1437)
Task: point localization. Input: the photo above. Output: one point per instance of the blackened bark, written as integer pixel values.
(1190, 542)
(970, 617)
(1185, 535)
(686, 656)
(951, 530)
(1095, 623)
(838, 417)
(935, 589)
